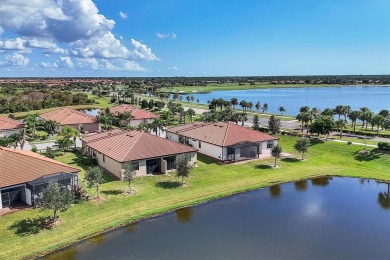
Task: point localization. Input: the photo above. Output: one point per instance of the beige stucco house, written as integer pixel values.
(224, 141)
(9, 126)
(138, 115)
(149, 154)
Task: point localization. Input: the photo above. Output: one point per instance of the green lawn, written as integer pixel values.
(160, 193)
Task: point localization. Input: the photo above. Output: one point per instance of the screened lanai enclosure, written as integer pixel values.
(30, 192)
(243, 151)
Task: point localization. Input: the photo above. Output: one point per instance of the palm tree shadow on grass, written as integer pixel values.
(374, 154)
(168, 184)
(112, 192)
(31, 226)
(292, 160)
(263, 166)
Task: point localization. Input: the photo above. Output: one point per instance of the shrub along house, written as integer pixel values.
(23, 175)
(138, 115)
(224, 141)
(9, 126)
(148, 153)
(73, 118)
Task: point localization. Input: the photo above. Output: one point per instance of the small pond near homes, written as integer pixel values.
(324, 218)
(92, 112)
(375, 98)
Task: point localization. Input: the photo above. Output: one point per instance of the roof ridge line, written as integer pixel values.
(122, 131)
(39, 157)
(227, 129)
(130, 148)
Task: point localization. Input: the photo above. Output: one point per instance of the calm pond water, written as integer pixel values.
(373, 97)
(92, 112)
(320, 218)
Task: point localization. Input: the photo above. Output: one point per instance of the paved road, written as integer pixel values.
(41, 146)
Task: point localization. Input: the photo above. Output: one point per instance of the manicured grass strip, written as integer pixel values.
(158, 194)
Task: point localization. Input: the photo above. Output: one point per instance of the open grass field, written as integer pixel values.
(236, 86)
(21, 236)
(99, 103)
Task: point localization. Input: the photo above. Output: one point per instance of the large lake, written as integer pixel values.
(324, 218)
(373, 97)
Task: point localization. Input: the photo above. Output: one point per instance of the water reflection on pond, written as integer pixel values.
(319, 218)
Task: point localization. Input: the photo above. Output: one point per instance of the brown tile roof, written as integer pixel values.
(23, 166)
(69, 116)
(220, 133)
(123, 146)
(8, 123)
(135, 112)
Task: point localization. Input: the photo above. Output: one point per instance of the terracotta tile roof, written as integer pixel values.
(8, 123)
(123, 146)
(220, 133)
(23, 166)
(135, 112)
(69, 116)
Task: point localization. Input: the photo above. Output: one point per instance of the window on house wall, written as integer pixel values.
(270, 144)
(136, 165)
(200, 144)
(104, 158)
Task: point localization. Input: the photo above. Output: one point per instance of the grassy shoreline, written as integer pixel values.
(208, 182)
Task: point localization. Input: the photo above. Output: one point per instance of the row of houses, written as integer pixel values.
(79, 120)
(23, 174)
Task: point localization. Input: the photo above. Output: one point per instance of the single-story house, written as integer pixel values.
(23, 175)
(148, 153)
(73, 118)
(224, 141)
(9, 126)
(138, 115)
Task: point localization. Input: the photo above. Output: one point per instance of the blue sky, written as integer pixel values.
(193, 38)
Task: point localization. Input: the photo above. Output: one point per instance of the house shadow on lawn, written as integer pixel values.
(206, 159)
(111, 192)
(31, 226)
(374, 154)
(168, 184)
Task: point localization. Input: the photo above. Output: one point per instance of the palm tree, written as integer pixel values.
(258, 106)
(244, 118)
(190, 113)
(281, 110)
(364, 115)
(353, 116)
(340, 124)
(181, 113)
(265, 108)
(234, 102)
(243, 104)
(144, 127)
(250, 105)
(339, 110)
(377, 121)
(304, 118)
(32, 121)
(304, 109)
(69, 133)
(51, 126)
(157, 125)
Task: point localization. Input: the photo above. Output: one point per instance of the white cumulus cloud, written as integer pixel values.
(15, 59)
(73, 29)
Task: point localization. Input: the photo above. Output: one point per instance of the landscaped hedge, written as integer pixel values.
(346, 131)
(384, 146)
(89, 161)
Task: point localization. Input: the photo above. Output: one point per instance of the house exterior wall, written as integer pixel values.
(219, 152)
(205, 148)
(5, 133)
(116, 168)
(1, 201)
(136, 122)
(92, 127)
